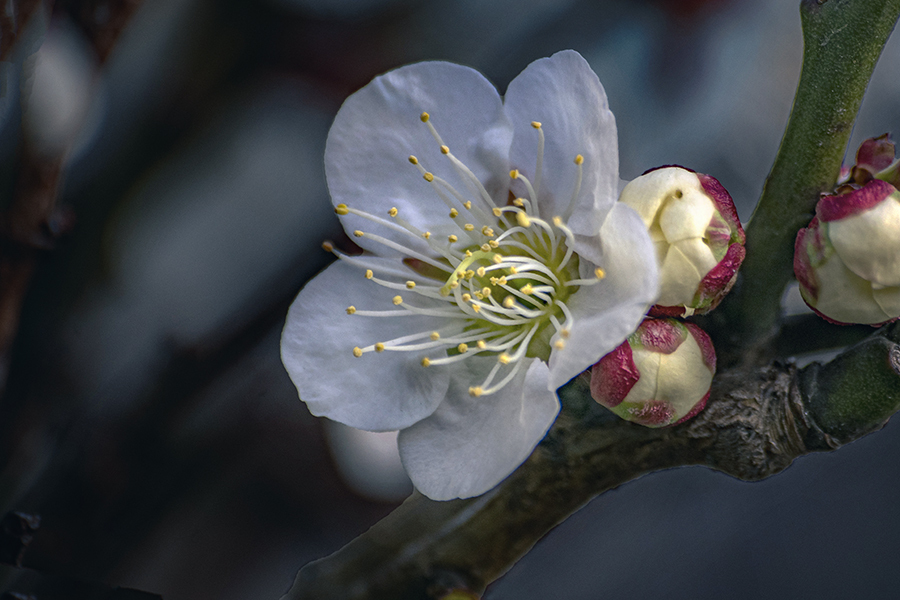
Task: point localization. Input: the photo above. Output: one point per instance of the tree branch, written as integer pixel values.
(757, 422)
(842, 42)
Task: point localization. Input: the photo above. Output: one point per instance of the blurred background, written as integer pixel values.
(173, 151)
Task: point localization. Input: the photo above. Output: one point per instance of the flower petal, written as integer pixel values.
(377, 391)
(378, 128)
(565, 96)
(869, 242)
(607, 313)
(470, 444)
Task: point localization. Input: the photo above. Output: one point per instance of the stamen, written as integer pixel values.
(579, 161)
(515, 174)
(401, 248)
(540, 159)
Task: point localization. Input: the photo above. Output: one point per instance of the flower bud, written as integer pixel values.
(659, 376)
(698, 237)
(848, 259)
(874, 160)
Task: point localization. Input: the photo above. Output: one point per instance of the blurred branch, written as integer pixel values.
(101, 20)
(757, 422)
(842, 42)
(14, 17)
(29, 225)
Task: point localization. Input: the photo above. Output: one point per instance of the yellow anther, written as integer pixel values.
(469, 227)
(341, 209)
(513, 270)
(481, 271)
(523, 220)
(428, 177)
(468, 253)
(476, 307)
(410, 285)
(493, 243)
(393, 212)
(454, 285)
(466, 297)
(514, 174)
(413, 159)
(527, 289)
(509, 302)
(487, 231)
(452, 238)
(504, 358)
(485, 248)
(496, 211)
(519, 202)
(358, 233)
(536, 124)
(427, 235)
(463, 348)
(481, 344)
(468, 204)
(470, 274)
(475, 391)
(424, 116)
(357, 352)
(369, 274)
(599, 273)
(426, 362)
(327, 246)
(351, 310)
(559, 344)
(498, 258)
(579, 159)
(564, 333)
(397, 300)
(454, 213)
(435, 336)
(445, 150)
(379, 347)
(557, 221)
(486, 292)
(479, 295)
(502, 280)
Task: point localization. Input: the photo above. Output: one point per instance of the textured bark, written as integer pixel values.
(757, 422)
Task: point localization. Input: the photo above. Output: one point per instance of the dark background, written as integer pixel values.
(146, 415)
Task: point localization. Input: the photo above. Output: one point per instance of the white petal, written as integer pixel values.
(647, 384)
(606, 313)
(377, 391)
(565, 96)
(469, 444)
(688, 216)
(888, 299)
(683, 378)
(845, 296)
(869, 243)
(679, 278)
(686, 263)
(378, 128)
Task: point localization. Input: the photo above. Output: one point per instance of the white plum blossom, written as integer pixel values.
(497, 265)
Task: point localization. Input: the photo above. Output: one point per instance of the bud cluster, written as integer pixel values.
(661, 375)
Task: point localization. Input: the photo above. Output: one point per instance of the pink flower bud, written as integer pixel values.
(848, 259)
(698, 237)
(874, 160)
(659, 376)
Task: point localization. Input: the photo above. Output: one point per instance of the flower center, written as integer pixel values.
(499, 283)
